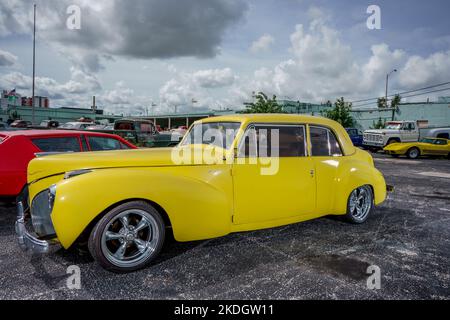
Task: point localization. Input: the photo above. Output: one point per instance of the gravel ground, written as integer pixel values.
(408, 238)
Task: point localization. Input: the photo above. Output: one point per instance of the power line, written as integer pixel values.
(407, 96)
(404, 92)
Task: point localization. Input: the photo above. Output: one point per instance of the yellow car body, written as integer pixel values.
(206, 199)
(424, 147)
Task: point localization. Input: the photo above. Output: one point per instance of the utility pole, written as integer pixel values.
(387, 84)
(34, 62)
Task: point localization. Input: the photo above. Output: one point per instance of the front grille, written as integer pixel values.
(373, 137)
(40, 214)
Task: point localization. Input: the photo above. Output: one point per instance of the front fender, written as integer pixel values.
(197, 199)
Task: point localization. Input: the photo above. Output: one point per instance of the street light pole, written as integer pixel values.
(34, 63)
(387, 84)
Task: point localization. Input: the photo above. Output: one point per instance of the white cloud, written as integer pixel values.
(80, 84)
(214, 78)
(7, 59)
(262, 44)
(185, 87)
(431, 70)
(323, 67)
(146, 29)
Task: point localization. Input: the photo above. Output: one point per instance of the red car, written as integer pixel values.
(18, 148)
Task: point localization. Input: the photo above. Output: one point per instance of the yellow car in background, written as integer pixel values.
(424, 147)
(229, 174)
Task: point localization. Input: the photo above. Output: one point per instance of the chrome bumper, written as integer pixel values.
(373, 144)
(26, 240)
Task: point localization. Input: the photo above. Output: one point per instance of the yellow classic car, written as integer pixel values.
(229, 174)
(424, 147)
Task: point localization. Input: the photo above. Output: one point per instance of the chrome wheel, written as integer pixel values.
(130, 238)
(360, 203)
(413, 153)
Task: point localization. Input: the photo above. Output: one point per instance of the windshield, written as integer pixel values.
(394, 126)
(427, 140)
(220, 134)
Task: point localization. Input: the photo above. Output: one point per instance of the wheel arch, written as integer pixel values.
(84, 236)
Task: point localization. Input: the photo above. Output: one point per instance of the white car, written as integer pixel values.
(75, 125)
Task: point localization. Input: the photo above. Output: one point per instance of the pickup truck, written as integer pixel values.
(400, 131)
(143, 133)
(356, 136)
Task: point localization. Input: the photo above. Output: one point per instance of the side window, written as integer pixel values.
(103, 144)
(274, 141)
(146, 127)
(323, 143)
(59, 144)
(124, 146)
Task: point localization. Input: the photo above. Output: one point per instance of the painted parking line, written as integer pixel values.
(435, 174)
(397, 161)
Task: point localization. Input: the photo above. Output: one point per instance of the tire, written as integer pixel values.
(359, 205)
(413, 153)
(128, 238)
(448, 156)
(391, 141)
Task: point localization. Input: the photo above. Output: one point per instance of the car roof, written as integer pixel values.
(42, 133)
(433, 138)
(269, 117)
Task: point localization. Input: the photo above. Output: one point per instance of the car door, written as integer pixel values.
(409, 133)
(327, 156)
(273, 177)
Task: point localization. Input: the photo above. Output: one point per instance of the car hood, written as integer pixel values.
(381, 131)
(400, 146)
(53, 165)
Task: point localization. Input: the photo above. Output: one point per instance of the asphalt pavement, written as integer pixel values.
(407, 238)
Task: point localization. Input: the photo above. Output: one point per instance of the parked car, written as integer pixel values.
(3, 126)
(97, 127)
(356, 136)
(400, 131)
(122, 203)
(143, 133)
(75, 125)
(17, 148)
(425, 147)
(49, 124)
(20, 124)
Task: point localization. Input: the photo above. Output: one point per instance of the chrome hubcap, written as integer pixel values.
(413, 153)
(360, 202)
(130, 238)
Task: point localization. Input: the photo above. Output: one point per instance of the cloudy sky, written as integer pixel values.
(132, 54)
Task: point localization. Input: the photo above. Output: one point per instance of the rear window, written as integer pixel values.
(58, 144)
(103, 144)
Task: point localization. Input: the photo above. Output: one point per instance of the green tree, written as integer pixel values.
(263, 105)
(382, 103)
(394, 105)
(341, 113)
(380, 124)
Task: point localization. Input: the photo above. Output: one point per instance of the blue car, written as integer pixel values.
(356, 136)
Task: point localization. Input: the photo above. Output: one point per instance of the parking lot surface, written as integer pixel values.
(408, 238)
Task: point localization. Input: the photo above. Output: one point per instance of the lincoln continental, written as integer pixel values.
(229, 174)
